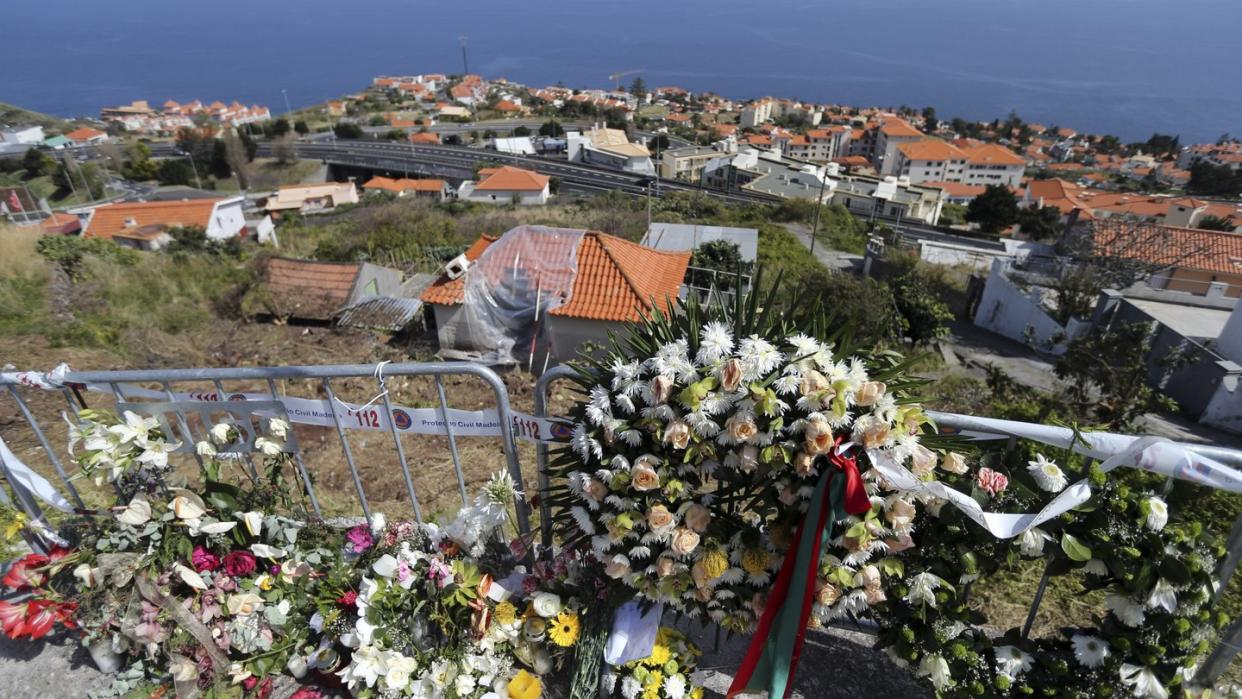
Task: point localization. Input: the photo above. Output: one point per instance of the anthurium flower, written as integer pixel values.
(265, 551)
(137, 512)
(189, 577)
(253, 521)
(187, 504)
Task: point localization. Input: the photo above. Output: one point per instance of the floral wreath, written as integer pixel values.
(696, 452)
(1155, 579)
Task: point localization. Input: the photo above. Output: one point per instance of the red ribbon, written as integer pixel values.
(854, 501)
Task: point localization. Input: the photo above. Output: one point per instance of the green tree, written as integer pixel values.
(861, 306)
(377, 120)
(929, 119)
(952, 214)
(301, 127)
(1214, 180)
(1040, 223)
(1108, 369)
(348, 130)
(994, 210)
(552, 129)
(1215, 223)
(924, 316)
(638, 88)
(280, 127)
(36, 163)
(658, 143)
(521, 131)
(717, 263)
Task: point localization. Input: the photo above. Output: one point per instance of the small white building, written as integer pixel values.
(22, 135)
(507, 185)
(609, 148)
(311, 198)
(145, 225)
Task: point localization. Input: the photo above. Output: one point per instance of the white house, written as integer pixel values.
(311, 198)
(22, 135)
(507, 185)
(609, 148)
(145, 225)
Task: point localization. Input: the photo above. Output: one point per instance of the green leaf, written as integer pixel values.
(1075, 549)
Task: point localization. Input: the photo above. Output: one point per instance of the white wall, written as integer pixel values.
(568, 334)
(1224, 410)
(1229, 344)
(1013, 313)
(502, 197)
(227, 221)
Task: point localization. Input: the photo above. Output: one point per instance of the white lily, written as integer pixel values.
(155, 452)
(134, 428)
(1143, 682)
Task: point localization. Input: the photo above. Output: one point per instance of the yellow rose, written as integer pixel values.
(698, 518)
(731, 375)
(678, 434)
(953, 462)
(741, 429)
(643, 476)
(661, 389)
(870, 392)
(818, 436)
(659, 518)
(685, 541)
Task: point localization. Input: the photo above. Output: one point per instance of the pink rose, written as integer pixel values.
(992, 481)
(644, 477)
(204, 560)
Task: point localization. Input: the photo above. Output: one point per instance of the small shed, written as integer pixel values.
(313, 290)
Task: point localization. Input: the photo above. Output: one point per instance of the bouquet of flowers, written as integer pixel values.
(665, 674)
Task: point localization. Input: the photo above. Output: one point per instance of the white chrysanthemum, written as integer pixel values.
(787, 385)
(663, 413)
(732, 576)
(1090, 650)
(624, 372)
(1126, 610)
(631, 687)
(1157, 513)
(1031, 542)
(624, 403)
(675, 686)
(715, 404)
(1143, 682)
(632, 438)
(1163, 596)
(702, 425)
(923, 589)
(1013, 661)
(583, 519)
(1048, 476)
(715, 342)
(599, 405)
(758, 357)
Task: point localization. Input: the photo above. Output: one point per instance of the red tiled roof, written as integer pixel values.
(510, 179)
(404, 185)
(1190, 248)
(111, 219)
(992, 154)
(84, 134)
(617, 280)
(895, 127)
(308, 289)
(957, 190)
(61, 223)
(930, 150)
(425, 137)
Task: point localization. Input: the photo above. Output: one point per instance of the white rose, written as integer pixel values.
(267, 447)
(546, 604)
(278, 428)
(220, 433)
(205, 448)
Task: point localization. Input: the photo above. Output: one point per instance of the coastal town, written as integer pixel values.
(1035, 273)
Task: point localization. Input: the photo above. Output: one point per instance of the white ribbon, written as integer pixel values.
(24, 477)
(49, 381)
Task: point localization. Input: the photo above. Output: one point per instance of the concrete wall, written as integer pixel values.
(568, 334)
(1198, 281)
(525, 198)
(1017, 314)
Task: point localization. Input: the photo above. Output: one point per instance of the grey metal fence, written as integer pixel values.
(183, 400)
(1228, 645)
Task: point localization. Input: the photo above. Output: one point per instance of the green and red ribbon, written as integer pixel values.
(776, 646)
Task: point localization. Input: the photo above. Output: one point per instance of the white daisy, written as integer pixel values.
(1048, 476)
(1126, 610)
(1090, 650)
(758, 357)
(1013, 661)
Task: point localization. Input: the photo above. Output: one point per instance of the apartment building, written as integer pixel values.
(686, 164)
(930, 160)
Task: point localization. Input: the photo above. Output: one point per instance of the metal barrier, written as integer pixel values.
(125, 386)
(1228, 645)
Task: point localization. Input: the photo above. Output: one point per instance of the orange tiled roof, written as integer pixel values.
(308, 289)
(111, 219)
(1191, 248)
(510, 179)
(404, 185)
(617, 280)
(992, 154)
(507, 106)
(895, 127)
(84, 133)
(956, 189)
(425, 137)
(931, 150)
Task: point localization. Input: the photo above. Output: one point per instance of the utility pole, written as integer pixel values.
(819, 204)
(465, 65)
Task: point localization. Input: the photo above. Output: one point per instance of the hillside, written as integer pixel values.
(16, 116)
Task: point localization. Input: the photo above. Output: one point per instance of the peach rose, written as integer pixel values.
(664, 567)
(901, 543)
(818, 436)
(703, 594)
(922, 460)
(757, 602)
(803, 463)
(617, 568)
(871, 432)
(595, 490)
(900, 514)
(697, 518)
(867, 576)
(731, 375)
(870, 392)
(699, 573)
(661, 389)
(678, 434)
(827, 594)
(875, 595)
(953, 462)
(814, 383)
(659, 518)
(748, 458)
(741, 429)
(643, 476)
(685, 541)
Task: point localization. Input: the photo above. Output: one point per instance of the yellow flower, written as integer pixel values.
(15, 526)
(696, 693)
(264, 582)
(524, 685)
(565, 628)
(660, 654)
(505, 613)
(715, 563)
(654, 679)
(755, 561)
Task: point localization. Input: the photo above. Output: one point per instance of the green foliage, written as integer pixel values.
(280, 127)
(863, 305)
(720, 256)
(994, 210)
(1215, 223)
(71, 252)
(924, 315)
(347, 130)
(301, 127)
(1214, 180)
(1107, 372)
(552, 128)
(389, 234)
(36, 163)
(953, 214)
(1041, 223)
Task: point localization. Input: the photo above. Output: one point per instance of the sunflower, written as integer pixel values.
(565, 628)
(505, 613)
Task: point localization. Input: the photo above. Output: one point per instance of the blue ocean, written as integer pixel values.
(1128, 67)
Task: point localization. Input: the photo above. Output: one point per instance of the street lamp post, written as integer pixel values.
(193, 167)
(819, 204)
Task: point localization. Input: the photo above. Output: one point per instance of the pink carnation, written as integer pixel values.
(992, 481)
(358, 539)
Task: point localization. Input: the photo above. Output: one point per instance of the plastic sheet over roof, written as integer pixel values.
(518, 279)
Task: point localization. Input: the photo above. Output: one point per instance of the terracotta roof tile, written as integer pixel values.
(83, 134)
(425, 137)
(1191, 248)
(110, 219)
(404, 185)
(309, 289)
(617, 280)
(931, 150)
(510, 179)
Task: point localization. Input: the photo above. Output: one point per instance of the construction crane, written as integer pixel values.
(616, 77)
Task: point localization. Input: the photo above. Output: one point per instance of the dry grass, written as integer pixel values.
(17, 251)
